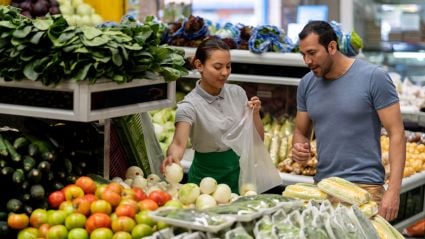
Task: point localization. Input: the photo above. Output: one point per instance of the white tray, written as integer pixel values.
(227, 222)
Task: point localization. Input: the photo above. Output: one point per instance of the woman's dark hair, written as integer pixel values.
(207, 45)
(323, 29)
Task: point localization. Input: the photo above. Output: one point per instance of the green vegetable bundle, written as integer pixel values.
(49, 50)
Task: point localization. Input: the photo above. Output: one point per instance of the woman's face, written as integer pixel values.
(215, 71)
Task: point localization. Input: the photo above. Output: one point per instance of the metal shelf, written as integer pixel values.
(276, 80)
(84, 101)
(267, 58)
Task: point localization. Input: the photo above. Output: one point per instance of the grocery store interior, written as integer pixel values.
(88, 95)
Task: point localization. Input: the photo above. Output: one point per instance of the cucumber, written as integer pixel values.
(18, 176)
(68, 165)
(28, 162)
(34, 176)
(37, 192)
(44, 166)
(32, 149)
(3, 148)
(13, 154)
(14, 205)
(7, 172)
(3, 163)
(20, 142)
(98, 179)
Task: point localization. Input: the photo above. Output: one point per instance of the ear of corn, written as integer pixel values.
(304, 191)
(370, 208)
(344, 190)
(385, 229)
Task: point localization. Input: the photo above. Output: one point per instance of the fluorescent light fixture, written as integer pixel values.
(418, 55)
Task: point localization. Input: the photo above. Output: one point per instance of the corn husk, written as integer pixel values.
(344, 190)
(304, 191)
(384, 229)
(370, 209)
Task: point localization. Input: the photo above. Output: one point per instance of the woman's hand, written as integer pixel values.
(255, 104)
(168, 161)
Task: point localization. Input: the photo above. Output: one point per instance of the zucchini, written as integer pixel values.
(20, 142)
(3, 148)
(13, 154)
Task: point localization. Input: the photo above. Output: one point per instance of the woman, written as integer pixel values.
(207, 112)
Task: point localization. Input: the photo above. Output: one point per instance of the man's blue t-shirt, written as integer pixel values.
(346, 123)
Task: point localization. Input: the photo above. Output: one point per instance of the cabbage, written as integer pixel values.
(188, 193)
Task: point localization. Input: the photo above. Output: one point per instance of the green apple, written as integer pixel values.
(56, 217)
(141, 230)
(143, 217)
(122, 235)
(57, 232)
(161, 225)
(28, 233)
(67, 206)
(75, 220)
(101, 233)
(78, 233)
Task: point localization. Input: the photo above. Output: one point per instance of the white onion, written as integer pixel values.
(188, 193)
(205, 201)
(223, 193)
(173, 173)
(139, 182)
(133, 171)
(250, 193)
(247, 187)
(208, 185)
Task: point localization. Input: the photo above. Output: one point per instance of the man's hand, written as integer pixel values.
(389, 206)
(301, 152)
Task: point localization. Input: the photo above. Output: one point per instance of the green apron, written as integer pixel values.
(222, 166)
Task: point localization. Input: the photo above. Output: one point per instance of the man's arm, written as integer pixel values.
(391, 120)
(301, 138)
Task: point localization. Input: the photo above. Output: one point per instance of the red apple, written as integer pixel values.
(56, 198)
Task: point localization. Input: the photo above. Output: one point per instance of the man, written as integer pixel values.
(347, 101)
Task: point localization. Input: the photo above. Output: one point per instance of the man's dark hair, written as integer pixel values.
(323, 29)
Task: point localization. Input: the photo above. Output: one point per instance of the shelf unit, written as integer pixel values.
(86, 102)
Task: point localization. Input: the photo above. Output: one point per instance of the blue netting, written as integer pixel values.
(269, 38)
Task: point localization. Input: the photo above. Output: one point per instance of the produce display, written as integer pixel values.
(38, 8)
(79, 13)
(50, 51)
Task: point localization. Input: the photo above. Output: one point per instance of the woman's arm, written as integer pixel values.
(178, 145)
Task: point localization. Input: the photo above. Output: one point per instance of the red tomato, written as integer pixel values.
(140, 194)
(417, 229)
(97, 220)
(56, 198)
(148, 204)
(158, 196)
(126, 210)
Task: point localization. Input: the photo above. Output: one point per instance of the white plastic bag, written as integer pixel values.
(153, 149)
(256, 166)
